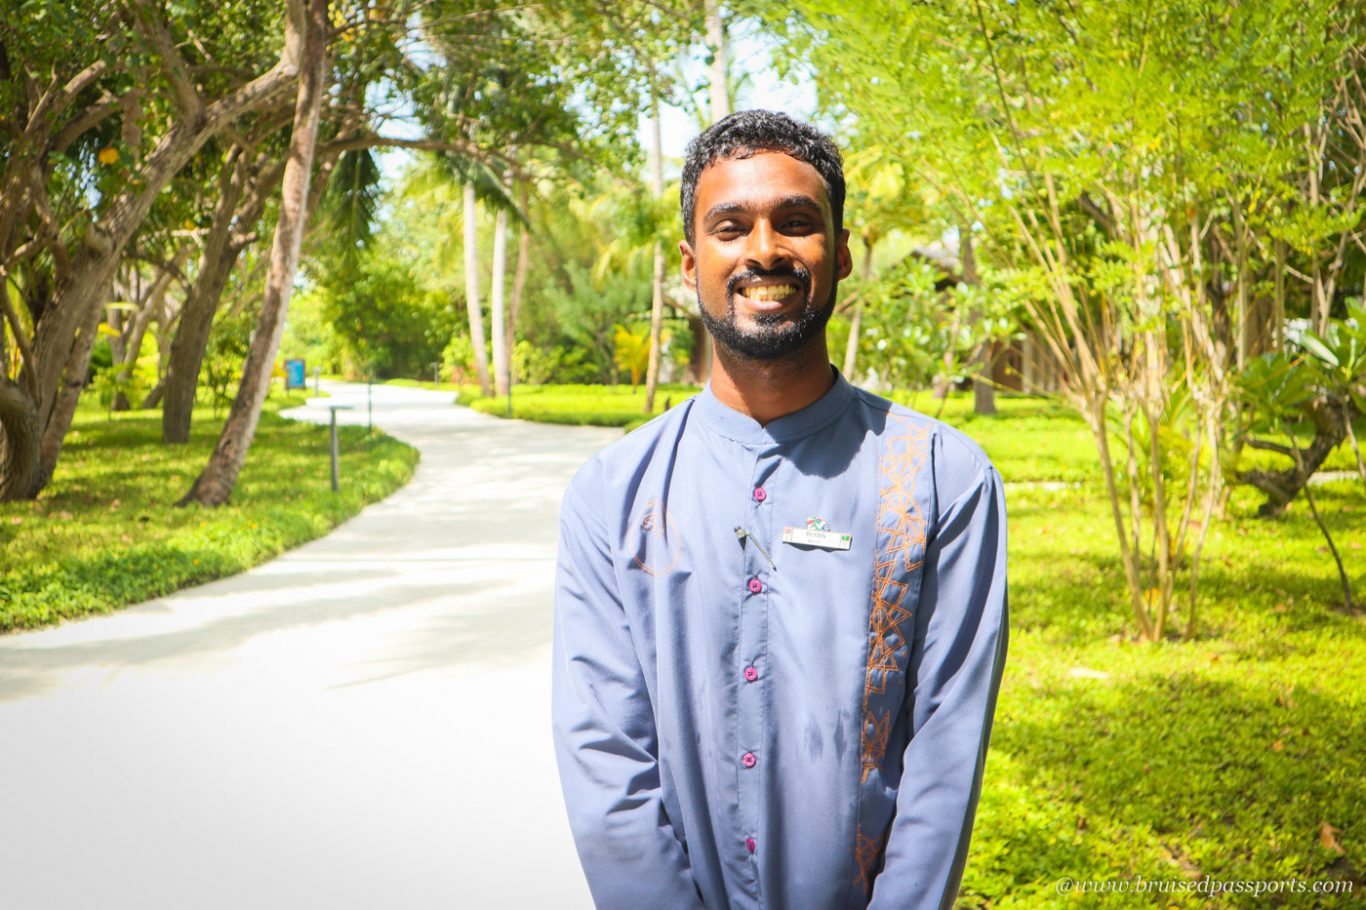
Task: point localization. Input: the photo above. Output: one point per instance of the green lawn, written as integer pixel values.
(106, 532)
(1032, 438)
(1225, 756)
(1237, 756)
(580, 405)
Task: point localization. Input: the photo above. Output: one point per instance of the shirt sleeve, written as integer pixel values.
(604, 729)
(956, 664)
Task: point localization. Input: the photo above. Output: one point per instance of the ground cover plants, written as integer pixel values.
(107, 533)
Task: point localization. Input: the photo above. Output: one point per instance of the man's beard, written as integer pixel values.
(778, 336)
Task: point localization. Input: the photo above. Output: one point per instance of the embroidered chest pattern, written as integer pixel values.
(898, 554)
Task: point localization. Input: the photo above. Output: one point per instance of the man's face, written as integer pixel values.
(765, 262)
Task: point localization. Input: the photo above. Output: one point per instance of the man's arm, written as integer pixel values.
(605, 739)
(956, 664)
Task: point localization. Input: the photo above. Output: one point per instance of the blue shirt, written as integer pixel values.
(743, 722)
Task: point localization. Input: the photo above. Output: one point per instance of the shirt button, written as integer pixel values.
(755, 586)
(760, 494)
(751, 674)
(750, 845)
(749, 760)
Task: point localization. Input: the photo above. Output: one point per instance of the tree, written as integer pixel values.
(85, 242)
(1111, 207)
(307, 30)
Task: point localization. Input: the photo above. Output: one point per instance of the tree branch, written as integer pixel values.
(1271, 447)
(89, 118)
(149, 24)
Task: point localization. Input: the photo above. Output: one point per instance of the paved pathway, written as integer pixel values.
(362, 723)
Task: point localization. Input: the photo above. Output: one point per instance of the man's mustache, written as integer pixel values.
(797, 275)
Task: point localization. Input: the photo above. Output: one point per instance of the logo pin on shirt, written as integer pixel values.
(817, 533)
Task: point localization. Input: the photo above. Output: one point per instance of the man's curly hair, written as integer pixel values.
(746, 133)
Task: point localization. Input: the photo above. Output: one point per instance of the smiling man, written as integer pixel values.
(780, 610)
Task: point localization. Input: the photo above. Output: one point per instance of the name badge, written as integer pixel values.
(810, 537)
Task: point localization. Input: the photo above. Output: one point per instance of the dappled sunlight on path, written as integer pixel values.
(363, 722)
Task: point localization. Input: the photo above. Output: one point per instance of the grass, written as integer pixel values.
(1235, 756)
(579, 405)
(1232, 757)
(1031, 439)
(106, 532)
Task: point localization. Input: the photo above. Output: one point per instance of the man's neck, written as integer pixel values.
(767, 390)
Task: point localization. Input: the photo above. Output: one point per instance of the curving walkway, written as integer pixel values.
(362, 723)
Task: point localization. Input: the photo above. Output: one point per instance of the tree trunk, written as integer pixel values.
(153, 398)
(518, 287)
(718, 72)
(73, 383)
(856, 324)
(657, 277)
(498, 316)
(151, 306)
(718, 77)
(851, 344)
(1281, 487)
(476, 315)
(216, 262)
(20, 442)
(214, 486)
(983, 388)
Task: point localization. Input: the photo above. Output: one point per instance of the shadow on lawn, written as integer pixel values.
(1175, 778)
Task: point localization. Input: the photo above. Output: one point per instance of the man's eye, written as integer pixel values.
(797, 225)
(727, 231)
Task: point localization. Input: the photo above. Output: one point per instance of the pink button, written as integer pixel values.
(755, 586)
(750, 845)
(751, 674)
(760, 494)
(749, 760)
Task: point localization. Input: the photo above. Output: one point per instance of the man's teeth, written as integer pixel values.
(769, 292)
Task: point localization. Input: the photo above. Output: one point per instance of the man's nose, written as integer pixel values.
(765, 249)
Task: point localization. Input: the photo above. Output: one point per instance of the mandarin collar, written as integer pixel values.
(732, 424)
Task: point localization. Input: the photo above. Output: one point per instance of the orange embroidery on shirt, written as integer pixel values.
(867, 852)
(899, 551)
(657, 540)
(901, 530)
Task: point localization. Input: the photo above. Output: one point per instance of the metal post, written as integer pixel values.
(334, 449)
(369, 409)
(436, 373)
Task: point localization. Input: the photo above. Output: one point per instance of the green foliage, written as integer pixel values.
(350, 206)
(309, 334)
(1338, 357)
(916, 336)
(387, 322)
(534, 365)
(587, 312)
(229, 341)
(108, 380)
(457, 359)
(1275, 389)
(106, 532)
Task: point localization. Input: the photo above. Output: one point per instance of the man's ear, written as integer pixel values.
(689, 265)
(843, 256)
